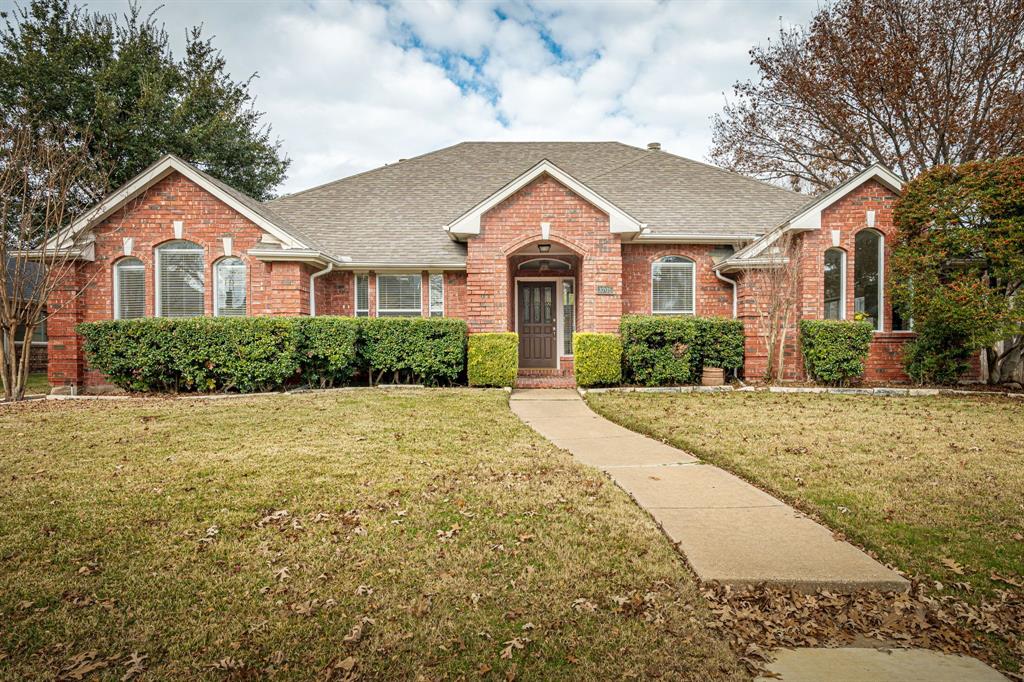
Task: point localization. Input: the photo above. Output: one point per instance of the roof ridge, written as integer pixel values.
(365, 172)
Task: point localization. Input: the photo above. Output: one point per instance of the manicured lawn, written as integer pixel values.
(932, 485)
(374, 533)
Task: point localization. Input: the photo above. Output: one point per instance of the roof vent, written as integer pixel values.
(654, 146)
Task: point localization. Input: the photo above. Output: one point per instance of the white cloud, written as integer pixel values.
(349, 86)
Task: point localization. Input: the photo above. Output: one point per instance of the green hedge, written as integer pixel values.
(835, 350)
(597, 359)
(493, 359)
(250, 354)
(424, 350)
(663, 350)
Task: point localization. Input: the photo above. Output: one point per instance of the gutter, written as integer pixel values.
(692, 238)
(312, 287)
(733, 283)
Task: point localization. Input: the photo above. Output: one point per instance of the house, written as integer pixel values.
(539, 238)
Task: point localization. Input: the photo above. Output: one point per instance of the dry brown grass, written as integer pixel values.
(932, 485)
(383, 534)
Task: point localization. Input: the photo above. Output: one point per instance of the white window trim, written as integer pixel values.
(401, 312)
(157, 307)
(842, 282)
(355, 293)
(559, 321)
(216, 280)
(693, 276)
(117, 285)
(430, 303)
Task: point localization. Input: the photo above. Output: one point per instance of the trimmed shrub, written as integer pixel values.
(597, 358)
(664, 350)
(431, 351)
(196, 354)
(328, 350)
(493, 359)
(835, 350)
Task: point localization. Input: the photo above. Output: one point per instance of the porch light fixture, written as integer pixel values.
(543, 248)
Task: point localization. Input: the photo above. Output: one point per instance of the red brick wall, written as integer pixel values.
(273, 289)
(714, 297)
(848, 216)
(515, 224)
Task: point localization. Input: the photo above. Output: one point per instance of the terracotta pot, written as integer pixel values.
(713, 376)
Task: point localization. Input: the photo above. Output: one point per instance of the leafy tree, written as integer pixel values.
(958, 267)
(116, 77)
(912, 84)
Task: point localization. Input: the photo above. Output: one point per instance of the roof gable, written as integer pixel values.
(619, 221)
(243, 204)
(808, 217)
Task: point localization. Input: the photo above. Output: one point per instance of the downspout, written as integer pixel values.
(312, 288)
(733, 283)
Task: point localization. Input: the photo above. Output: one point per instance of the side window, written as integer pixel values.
(835, 285)
(362, 295)
(129, 289)
(229, 287)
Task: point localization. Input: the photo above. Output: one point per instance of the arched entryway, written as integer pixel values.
(543, 286)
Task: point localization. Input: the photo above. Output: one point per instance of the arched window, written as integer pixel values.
(229, 287)
(673, 281)
(129, 289)
(544, 265)
(180, 281)
(835, 284)
(868, 267)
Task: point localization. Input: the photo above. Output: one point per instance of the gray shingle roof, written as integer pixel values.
(395, 214)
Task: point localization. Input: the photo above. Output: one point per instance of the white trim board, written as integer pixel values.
(619, 221)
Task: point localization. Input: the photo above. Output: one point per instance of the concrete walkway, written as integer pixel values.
(871, 665)
(728, 530)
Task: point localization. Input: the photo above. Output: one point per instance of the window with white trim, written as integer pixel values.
(867, 275)
(180, 280)
(229, 288)
(673, 280)
(835, 284)
(129, 289)
(437, 295)
(399, 295)
(362, 295)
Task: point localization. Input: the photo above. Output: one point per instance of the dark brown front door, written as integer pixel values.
(538, 333)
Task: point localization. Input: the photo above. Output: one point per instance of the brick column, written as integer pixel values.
(66, 372)
(289, 284)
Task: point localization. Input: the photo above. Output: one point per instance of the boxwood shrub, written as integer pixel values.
(431, 351)
(835, 350)
(597, 359)
(248, 354)
(662, 350)
(493, 359)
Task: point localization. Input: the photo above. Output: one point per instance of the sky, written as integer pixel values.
(349, 86)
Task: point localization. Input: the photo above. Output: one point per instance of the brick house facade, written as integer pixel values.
(542, 233)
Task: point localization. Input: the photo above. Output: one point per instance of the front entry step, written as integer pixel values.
(545, 378)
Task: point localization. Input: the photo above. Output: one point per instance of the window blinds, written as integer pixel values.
(672, 286)
(230, 286)
(399, 295)
(129, 289)
(180, 285)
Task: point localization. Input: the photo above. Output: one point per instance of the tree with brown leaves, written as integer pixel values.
(912, 84)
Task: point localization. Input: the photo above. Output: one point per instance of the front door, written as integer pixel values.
(538, 331)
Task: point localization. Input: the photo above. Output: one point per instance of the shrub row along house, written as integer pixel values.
(543, 239)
